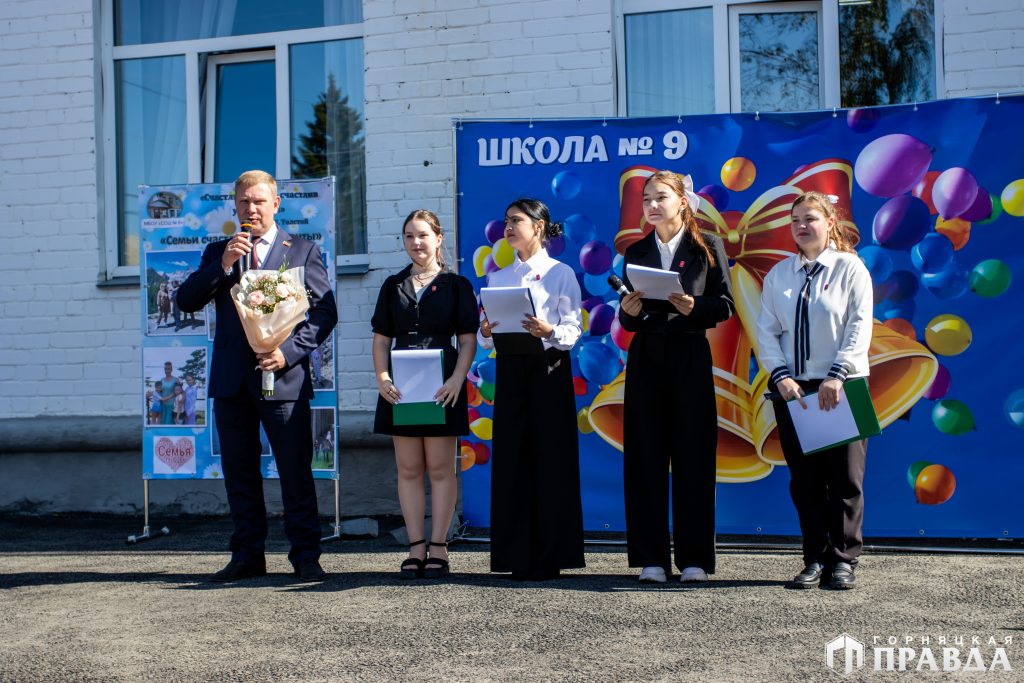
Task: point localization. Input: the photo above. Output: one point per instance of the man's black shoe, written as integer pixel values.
(842, 577)
(237, 570)
(310, 571)
(809, 577)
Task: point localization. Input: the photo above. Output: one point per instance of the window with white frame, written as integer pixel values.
(681, 57)
(204, 89)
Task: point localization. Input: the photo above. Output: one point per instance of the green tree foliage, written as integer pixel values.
(334, 144)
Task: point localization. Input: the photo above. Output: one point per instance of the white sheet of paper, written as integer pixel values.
(817, 428)
(655, 283)
(417, 374)
(508, 306)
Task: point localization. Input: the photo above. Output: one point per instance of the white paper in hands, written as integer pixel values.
(508, 306)
(655, 283)
(417, 374)
(817, 428)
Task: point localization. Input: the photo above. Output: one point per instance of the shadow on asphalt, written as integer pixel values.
(347, 581)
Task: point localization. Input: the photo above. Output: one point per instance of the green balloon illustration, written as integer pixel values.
(487, 390)
(914, 470)
(990, 278)
(952, 417)
(997, 210)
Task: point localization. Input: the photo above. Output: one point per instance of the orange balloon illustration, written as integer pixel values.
(738, 173)
(935, 485)
(956, 229)
(468, 458)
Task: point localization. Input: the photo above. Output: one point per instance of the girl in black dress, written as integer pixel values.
(422, 307)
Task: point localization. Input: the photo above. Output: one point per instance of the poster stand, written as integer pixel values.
(336, 536)
(146, 535)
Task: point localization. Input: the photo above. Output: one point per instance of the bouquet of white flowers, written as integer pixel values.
(270, 304)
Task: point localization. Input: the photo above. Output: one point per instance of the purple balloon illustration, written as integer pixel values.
(954, 191)
(590, 302)
(892, 165)
(940, 385)
(932, 253)
(717, 195)
(949, 283)
(489, 265)
(494, 231)
(601, 317)
(901, 222)
(555, 246)
(861, 120)
(596, 257)
(980, 209)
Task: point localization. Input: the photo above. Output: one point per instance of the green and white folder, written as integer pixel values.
(853, 419)
(417, 374)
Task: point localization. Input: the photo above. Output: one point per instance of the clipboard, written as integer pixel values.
(852, 420)
(414, 372)
(510, 304)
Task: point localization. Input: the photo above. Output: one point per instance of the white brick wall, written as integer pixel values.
(70, 348)
(66, 347)
(428, 62)
(983, 48)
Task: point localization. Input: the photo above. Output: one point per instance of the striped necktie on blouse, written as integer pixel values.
(802, 339)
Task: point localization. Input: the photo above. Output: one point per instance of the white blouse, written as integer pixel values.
(556, 297)
(826, 335)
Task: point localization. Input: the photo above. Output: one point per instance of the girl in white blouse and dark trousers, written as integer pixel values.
(536, 511)
(813, 332)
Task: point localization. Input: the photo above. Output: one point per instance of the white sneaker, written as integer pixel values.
(652, 575)
(693, 574)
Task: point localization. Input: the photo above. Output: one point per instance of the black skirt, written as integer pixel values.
(456, 418)
(536, 510)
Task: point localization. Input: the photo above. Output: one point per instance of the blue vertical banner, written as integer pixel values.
(179, 435)
(933, 197)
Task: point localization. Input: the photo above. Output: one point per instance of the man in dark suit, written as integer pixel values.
(235, 384)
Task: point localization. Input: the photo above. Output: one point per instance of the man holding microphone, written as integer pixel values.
(235, 383)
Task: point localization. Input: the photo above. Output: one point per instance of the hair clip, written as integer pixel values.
(833, 198)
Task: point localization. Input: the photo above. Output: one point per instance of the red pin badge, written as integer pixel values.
(682, 263)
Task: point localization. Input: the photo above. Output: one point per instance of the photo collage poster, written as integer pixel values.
(177, 222)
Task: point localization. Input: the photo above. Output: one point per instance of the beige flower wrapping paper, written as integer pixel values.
(270, 303)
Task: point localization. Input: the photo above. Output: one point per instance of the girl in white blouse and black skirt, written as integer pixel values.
(813, 332)
(536, 511)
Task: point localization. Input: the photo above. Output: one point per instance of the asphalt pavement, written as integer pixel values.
(77, 604)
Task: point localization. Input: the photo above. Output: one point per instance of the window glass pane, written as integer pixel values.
(670, 67)
(158, 21)
(246, 126)
(327, 130)
(886, 52)
(779, 69)
(150, 96)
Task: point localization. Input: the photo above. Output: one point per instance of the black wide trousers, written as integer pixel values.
(536, 510)
(670, 419)
(827, 489)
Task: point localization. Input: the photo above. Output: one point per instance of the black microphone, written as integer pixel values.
(246, 260)
(619, 286)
